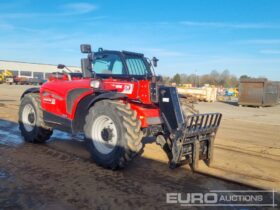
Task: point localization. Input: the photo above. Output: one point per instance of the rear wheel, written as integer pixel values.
(31, 122)
(112, 133)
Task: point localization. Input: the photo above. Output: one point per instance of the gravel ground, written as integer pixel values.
(60, 174)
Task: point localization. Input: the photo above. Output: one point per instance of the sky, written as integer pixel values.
(187, 36)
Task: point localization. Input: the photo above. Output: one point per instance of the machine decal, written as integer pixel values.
(128, 88)
(165, 99)
(123, 87)
(52, 95)
(49, 100)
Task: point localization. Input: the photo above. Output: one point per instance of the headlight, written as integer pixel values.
(95, 84)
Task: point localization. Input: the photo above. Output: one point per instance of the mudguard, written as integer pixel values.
(88, 101)
(107, 95)
(30, 90)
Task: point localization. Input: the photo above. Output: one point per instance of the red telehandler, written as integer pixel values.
(115, 102)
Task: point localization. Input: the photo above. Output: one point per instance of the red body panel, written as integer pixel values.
(144, 113)
(54, 94)
(135, 90)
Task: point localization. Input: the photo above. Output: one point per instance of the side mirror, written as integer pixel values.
(60, 66)
(155, 60)
(85, 48)
(86, 67)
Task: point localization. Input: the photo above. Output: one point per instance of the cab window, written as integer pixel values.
(108, 64)
(136, 66)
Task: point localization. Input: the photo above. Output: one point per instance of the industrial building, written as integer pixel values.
(32, 70)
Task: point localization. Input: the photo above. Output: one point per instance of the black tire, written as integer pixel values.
(40, 132)
(128, 129)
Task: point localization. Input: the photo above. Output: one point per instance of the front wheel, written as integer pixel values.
(112, 133)
(31, 123)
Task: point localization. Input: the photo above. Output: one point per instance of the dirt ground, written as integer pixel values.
(60, 174)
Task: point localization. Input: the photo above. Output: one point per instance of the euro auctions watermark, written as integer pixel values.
(261, 198)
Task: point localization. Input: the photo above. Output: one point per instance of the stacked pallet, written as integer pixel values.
(206, 93)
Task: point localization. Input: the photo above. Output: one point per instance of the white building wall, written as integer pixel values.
(33, 67)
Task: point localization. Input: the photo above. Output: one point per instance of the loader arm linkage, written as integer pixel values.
(195, 140)
(187, 137)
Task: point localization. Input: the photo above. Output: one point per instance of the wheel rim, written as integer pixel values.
(104, 134)
(28, 117)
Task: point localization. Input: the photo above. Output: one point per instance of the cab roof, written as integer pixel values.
(121, 53)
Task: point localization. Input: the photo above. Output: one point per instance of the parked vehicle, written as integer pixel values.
(116, 106)
(6, 77)
(28, 81)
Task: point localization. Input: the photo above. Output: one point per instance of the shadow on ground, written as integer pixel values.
(233, 103)
(60, 175)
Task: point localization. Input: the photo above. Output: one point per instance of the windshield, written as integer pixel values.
(113, 64)
(136, 66)
(108, 64)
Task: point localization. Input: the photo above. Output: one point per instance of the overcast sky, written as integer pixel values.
(242, 36)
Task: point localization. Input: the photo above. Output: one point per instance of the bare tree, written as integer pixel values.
(225, 79)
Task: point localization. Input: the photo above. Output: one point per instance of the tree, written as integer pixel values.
(166, 79)
(234, 81)
(205, 79)
(184, 78)
(177, 79)
(214, 77)
(225, 78)
(244, 77)
(262, 77)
